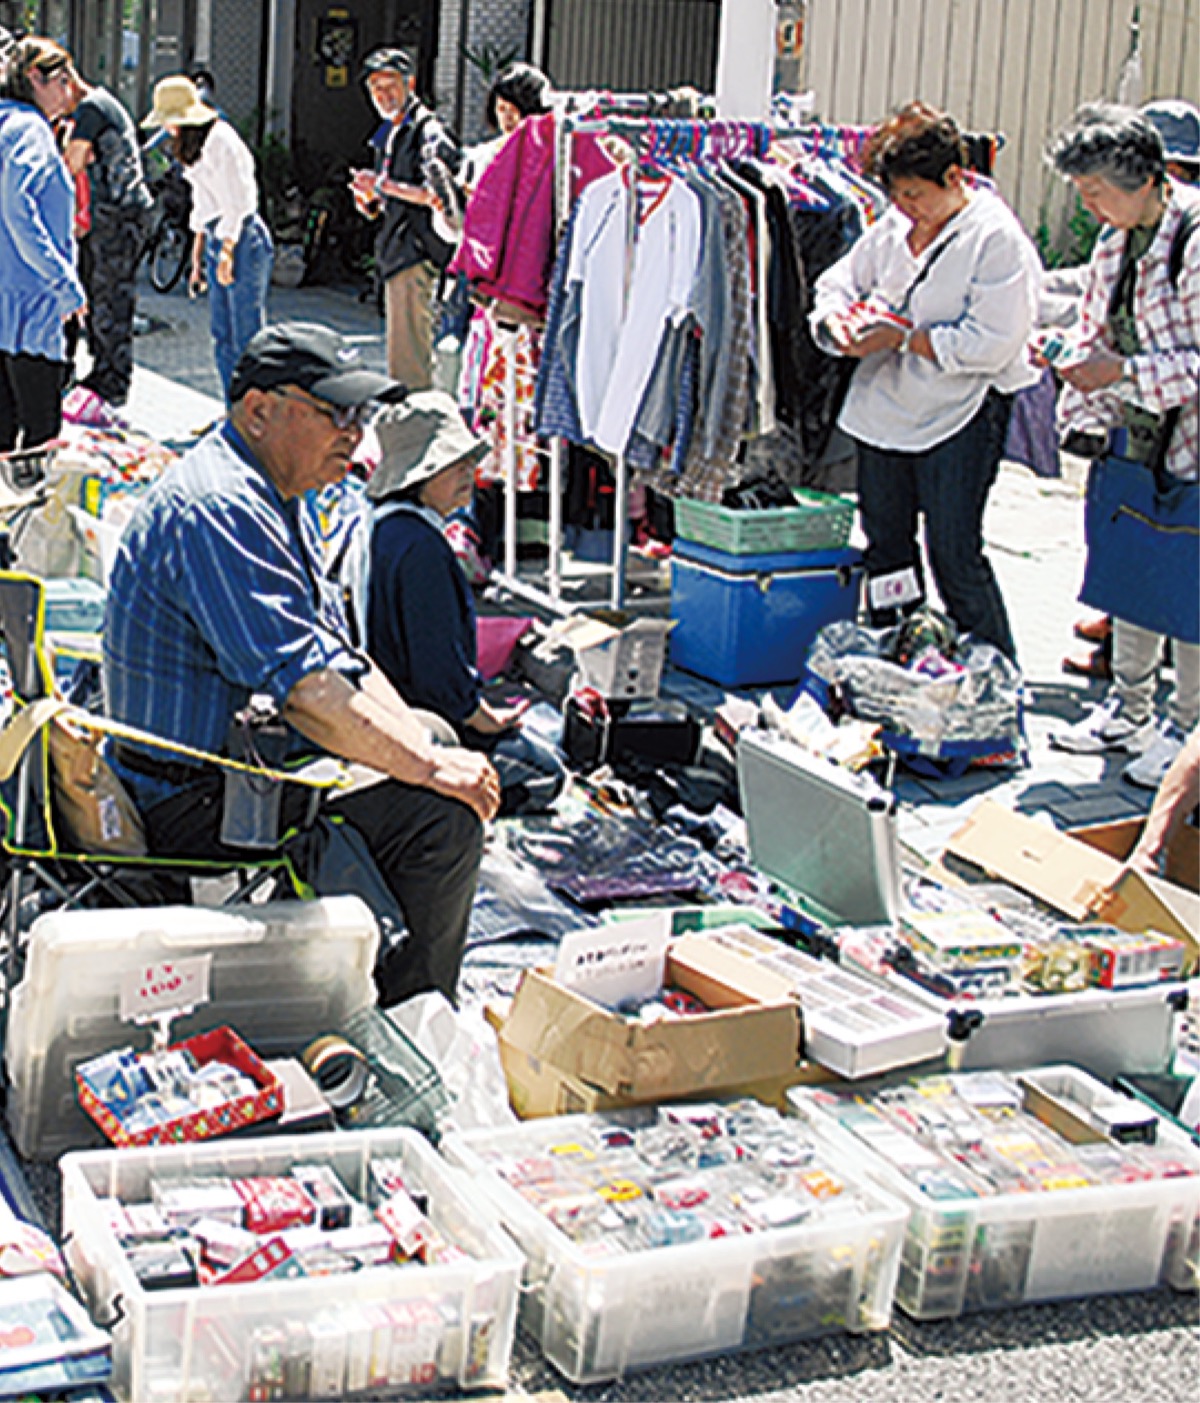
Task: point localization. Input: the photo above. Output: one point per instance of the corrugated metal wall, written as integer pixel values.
(1019, 67)
(632, 45)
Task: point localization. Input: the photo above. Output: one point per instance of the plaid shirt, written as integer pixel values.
(1166, 371)
(215, 595)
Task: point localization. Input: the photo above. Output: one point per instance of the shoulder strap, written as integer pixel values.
(1184, 230)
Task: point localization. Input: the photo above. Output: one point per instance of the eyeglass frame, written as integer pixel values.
(343, 416)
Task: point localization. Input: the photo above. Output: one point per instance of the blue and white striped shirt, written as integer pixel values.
(215, 595)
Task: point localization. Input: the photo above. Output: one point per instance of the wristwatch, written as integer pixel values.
(906, 340)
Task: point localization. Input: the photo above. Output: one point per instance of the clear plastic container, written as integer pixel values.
(1018, 1213)
(598, 1311)
(225, 1342)
(282, 973)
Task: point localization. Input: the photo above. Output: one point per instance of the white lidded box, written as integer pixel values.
(598, 1308)
(216, 1342)
(1004, 1209)
(281, 974)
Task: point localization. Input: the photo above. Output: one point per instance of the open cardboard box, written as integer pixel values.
(1077, 874)
(563, 1051)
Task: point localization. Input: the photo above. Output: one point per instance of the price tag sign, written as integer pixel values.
(617, 964)
(153, 989)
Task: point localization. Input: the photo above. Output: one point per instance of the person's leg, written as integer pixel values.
(220, 314)
(408, 309)
(252, 263)
(953, 482)
(116, 245)
(8, 406)
(427, 849)
(887, 504)
(531, 774)
(36, 386)
(1137, 654)
(1184, 706)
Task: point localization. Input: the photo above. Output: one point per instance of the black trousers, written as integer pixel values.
(30, 400)
(427, 849)
(108, 267)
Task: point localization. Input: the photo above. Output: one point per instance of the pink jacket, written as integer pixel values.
(507, 248)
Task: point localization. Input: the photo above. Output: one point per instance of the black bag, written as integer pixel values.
(661, 732)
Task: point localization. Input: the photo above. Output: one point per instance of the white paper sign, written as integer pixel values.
(164, 986)
(617, 964)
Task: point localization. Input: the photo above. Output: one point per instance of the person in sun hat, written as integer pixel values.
(232, 253)
(217, 595)
(416, 603)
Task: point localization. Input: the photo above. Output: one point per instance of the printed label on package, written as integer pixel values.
(617, 964)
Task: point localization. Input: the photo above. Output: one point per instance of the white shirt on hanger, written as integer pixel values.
(632, 287)
(223, 184)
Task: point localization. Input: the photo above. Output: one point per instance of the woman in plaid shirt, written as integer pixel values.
(1137, 359)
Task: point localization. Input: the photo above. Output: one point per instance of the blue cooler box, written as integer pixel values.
(748, 620)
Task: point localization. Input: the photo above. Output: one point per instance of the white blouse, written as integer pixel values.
(978, 303)
(223, 184)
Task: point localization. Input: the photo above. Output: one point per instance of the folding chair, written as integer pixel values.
(40, 869)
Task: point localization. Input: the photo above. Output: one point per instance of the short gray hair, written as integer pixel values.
(1119, 144)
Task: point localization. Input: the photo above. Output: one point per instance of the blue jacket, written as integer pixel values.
(38, 282)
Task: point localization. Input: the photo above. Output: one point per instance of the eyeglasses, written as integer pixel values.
(348, 416)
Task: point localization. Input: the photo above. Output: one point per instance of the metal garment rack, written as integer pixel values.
(623, 124)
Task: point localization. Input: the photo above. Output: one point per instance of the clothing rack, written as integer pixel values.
(690, 138)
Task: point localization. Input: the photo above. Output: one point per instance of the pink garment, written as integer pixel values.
(496, 637)
(507, 248)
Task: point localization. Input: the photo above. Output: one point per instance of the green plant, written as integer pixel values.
(491, 59)
(1082, 230)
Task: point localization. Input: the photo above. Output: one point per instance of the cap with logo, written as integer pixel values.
(313, 358)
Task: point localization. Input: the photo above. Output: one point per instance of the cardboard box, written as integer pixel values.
(555, 1042)
(1074, 877)
(1120, 839)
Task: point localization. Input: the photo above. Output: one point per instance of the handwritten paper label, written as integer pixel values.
(617, 964)
(163, 987)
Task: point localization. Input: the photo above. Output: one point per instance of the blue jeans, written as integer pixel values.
(239, 310)
(948, 484)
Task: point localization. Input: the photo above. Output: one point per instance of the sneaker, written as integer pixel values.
(1152, 764)
(1104, 728)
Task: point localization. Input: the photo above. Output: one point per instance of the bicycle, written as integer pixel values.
(169, 245)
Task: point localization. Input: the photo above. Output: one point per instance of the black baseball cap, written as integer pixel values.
(389, 61)
(313, 358)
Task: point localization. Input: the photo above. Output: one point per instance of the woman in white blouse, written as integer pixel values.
(233, 252)
(936, 302)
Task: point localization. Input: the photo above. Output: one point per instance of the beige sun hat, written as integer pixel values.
(420, 439)
(177, 104)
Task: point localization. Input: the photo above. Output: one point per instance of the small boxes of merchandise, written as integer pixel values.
(210, 1085)
(1024, 1186)
(213, 1265)
(669, 1233)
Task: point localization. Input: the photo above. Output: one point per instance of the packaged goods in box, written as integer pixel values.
(668, 1233)
(1005, 1208)
(852, 1025)
(621, 661)
(210, 1085)
(553, 1031)
(828, 838)
(48, 1346)
(281, 973)
(748, 620)
(819, 521)
(389, 1279)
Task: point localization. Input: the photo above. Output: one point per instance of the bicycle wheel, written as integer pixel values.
(169, 249)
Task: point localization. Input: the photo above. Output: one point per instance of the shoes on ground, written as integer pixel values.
(1093, 627)
(1152, 764)
(1106, 727)
(1089, 662)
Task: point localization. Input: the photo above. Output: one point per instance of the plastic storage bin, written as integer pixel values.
(748, 620)
(598, 1311)
(202, 1342)
(1004, 1209)
(818, 521)
(282, 973)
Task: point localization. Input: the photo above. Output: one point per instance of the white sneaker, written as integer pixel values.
(1106, 727)
(1152, 764)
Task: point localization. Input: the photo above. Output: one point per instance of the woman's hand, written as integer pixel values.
(225, 263)
(1100, 369)
(491, 720)
(871, 340)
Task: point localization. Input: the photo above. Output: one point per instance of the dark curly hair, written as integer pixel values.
(918, 140)
(525, 86)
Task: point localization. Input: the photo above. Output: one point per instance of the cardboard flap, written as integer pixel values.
(724, 978)
(1063, 873)
(1142, 903)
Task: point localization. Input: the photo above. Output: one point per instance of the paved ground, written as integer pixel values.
(1099, 1351)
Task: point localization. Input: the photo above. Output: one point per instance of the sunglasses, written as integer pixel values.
(351, 416)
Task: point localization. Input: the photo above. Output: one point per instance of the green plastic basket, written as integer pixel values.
(818, 521)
